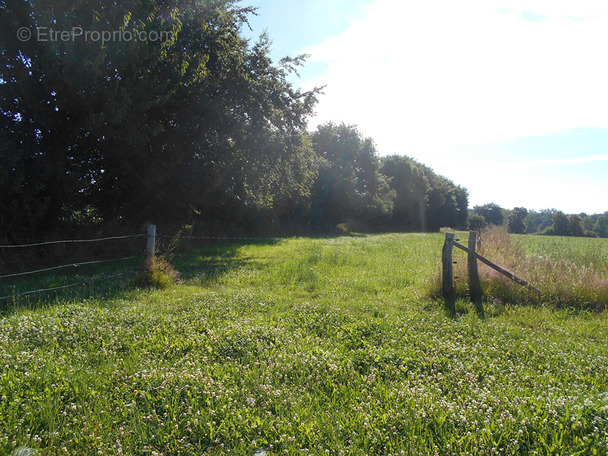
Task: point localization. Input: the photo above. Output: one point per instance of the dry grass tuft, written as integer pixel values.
(161, 275)
(567, 274)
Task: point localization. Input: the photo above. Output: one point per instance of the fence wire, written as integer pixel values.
(71, 241)
(71, 265)
(85, 263)
(42, 290)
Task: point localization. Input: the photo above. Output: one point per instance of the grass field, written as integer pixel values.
(304, 346)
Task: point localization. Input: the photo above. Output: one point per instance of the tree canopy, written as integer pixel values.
(161, 110)
(423, 200)
(492, 213)
(145, 130)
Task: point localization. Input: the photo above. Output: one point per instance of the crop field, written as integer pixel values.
(312, 346)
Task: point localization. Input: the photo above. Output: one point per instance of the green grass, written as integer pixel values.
(304, 346)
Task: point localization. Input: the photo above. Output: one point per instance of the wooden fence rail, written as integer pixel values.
(473, 275)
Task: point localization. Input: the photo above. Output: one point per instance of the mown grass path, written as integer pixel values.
(323, 346)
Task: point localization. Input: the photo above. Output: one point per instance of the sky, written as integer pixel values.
(507, 98)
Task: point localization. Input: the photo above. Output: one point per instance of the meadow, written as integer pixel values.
(307, 346)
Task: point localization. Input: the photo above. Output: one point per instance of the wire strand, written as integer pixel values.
(42, 290)
(73, 265)
(71, 241)
(40, 263)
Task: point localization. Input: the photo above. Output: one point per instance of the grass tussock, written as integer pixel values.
(160, 275)
(570, 272)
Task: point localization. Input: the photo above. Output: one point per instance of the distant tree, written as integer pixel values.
(477, 222)
(409, 181)
(492, 213)
(576, 226)
(423, 200)
(601, 226)
(516, 221)
(561, 225)
(545, 219)
(588, 222)
(447, 204)
(532, 221)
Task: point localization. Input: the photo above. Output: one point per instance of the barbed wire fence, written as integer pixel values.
(152, 244)
(79, 263)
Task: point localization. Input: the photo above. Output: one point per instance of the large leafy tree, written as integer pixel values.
(349, 186)
(576, 226)
(492, 212)
(423, 200)
(196, 120)
(516, 221)
(447, 204)
(409, 181)
(561, 225)
(601, 226)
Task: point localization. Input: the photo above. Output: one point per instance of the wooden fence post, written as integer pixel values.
(448, 274)
(151, 230)
(474, 282)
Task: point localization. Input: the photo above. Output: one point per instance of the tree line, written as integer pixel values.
(549, 222)
(198, 128)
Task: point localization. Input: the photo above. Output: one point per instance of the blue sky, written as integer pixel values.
(508, 98)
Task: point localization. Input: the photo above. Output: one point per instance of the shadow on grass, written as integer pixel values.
(73, 284)
(203, 264)
(207, 264)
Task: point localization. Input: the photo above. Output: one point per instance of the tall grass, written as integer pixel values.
(569, 272)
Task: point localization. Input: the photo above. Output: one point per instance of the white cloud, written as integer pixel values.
(420, 76)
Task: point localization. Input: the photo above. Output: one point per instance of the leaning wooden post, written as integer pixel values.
(151, 231)
(474, 282)
(448, 274)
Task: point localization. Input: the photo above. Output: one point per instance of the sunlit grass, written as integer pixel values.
(305, 346)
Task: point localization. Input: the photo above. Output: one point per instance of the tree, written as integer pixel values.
(601, 226)
(492, 213)
(349, 185)
(576, 226)
(532, 221)
(561, 225)
(409, 182)
(545, 219)
(447, 204)
(477, 222)
(516, 222)
(423, 200)
(134, 130)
